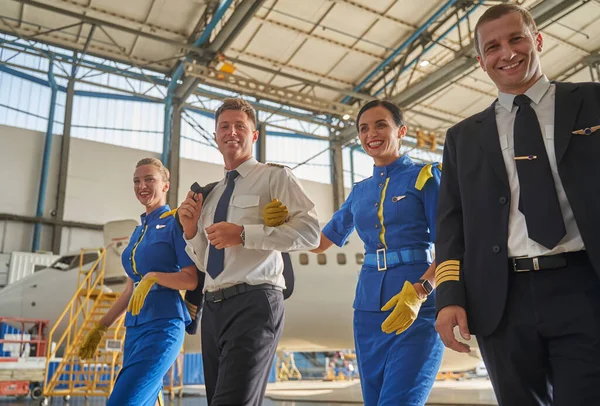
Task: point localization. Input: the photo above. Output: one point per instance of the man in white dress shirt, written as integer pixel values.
(242, 317)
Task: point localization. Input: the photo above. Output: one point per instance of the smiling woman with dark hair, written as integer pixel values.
(398, 350)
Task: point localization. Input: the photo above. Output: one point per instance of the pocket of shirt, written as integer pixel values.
(245, 208)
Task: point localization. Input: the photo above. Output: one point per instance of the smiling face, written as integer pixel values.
(509, 53)
(150, 187)
(380, 136)
(235, 136)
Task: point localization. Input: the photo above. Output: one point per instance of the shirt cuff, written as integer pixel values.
(196, 241)
(333, 236)
(254, 236)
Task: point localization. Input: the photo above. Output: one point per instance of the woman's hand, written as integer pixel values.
(139, 294)
(406, 306)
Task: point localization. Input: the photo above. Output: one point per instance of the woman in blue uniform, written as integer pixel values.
(158, 267)
(398, 350)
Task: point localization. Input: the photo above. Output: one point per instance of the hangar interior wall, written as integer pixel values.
(99, 187)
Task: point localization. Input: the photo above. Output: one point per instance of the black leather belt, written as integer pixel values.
(227, 293)
(524, 264)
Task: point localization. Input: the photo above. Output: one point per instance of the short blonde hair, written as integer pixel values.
(164, 172)
(236, 104)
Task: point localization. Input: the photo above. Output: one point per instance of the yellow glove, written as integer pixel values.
(92, 339)
(275, 213)
(407, 304)
(139, 295)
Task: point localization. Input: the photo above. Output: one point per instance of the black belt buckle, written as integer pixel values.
(217, 296)
(535, 263)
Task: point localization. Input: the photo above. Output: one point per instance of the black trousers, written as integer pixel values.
(239, 340)
(546, 350)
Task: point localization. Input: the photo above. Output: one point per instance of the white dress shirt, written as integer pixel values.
(259, 260)
(542, 95)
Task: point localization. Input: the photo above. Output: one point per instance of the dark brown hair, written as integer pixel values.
(391, 107)
(500, 10)
(236, 104)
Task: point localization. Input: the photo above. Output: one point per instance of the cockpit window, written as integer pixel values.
(72, 261)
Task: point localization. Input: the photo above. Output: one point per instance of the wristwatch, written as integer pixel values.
(243, 236)
(426, 285)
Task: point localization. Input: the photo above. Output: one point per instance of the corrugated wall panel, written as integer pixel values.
(22, 264)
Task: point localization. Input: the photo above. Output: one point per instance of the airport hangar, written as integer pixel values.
(88, 87)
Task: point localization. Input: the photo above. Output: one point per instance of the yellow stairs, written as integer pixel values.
(73, 376)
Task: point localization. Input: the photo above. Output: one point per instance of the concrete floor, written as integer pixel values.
(473, 392)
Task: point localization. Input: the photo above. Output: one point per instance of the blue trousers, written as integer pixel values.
(397, 369)
(150, 350)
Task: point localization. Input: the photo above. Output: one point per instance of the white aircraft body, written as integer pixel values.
(318, 316)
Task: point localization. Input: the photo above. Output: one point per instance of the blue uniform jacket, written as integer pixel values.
(157, 245)
(393, 210)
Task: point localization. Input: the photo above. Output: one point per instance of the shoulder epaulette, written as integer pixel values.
(168, 213)
(277, 165)
(425, 174)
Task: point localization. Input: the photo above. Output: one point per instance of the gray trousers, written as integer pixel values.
(239, 339)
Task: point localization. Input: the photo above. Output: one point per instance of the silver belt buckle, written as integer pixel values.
(379, 267)
(514, 261)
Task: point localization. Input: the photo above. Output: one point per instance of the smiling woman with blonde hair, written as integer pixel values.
(158, 267)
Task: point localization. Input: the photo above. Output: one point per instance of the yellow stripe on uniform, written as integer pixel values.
(380, 213)
(168, 213)
(161, 400)
(135, 248)
(446, 279)
(424, 175)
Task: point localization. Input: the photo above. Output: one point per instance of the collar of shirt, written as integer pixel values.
(155, 214)
(535, 93)
(400, 164)
(245, 168)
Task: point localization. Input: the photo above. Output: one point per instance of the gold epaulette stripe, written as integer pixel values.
(454, 262)
(168, 213)
(444, 268)
(193, 309)
(447, 272)
(446, 279)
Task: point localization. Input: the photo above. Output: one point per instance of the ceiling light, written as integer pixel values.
(424, 63)
(346, 116)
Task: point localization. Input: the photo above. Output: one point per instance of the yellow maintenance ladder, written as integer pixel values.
(73, 376)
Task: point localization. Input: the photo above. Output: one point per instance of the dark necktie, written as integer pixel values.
(216, 258)
(539, 200)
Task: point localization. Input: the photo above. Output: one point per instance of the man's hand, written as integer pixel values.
(189, 214)
(224, 235)
(449, 317)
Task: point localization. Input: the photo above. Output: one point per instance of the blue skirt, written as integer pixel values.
(397, 369)
(150, 350)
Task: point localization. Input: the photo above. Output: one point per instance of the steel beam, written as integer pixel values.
(337, 174)
(261, 143)
(403, 46)
(49, 221)
(64, 167)
(543, 13)
(98, 22)
(46, 159)
(174, 156)
(235, 24)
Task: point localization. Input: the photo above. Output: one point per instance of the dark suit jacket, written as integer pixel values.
(474, 203)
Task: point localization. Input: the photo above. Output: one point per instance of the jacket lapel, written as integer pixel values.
(568, 101)
(490, 141)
